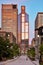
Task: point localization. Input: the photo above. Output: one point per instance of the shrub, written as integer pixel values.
(31, 53)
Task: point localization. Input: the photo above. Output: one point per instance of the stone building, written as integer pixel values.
(33, 43)
(38, 31)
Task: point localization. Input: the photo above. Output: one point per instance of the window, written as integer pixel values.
(26, 24)
(22, 27)
(26, 28)
(22, 35)
(14, 6)
(26, 35)
(23, 15)
(23, 19)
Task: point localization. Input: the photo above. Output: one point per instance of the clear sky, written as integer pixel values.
(32, 8)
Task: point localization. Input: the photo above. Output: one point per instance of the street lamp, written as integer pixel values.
(38, 40)
(38, 36)
(8, 35)
(7, 46)
(38, 46)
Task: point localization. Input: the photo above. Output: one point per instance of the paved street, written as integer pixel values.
(22, 61)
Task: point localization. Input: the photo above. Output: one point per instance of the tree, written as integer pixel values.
(16, 49)
(8, 50)
(41, 49)
(41, 54)
(31, 53)
(5, 49)
(2, 48)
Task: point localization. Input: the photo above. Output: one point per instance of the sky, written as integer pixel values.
(32, 8)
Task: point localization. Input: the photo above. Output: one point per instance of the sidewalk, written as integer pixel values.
(20, 60)
(36, 62)
(7, 61)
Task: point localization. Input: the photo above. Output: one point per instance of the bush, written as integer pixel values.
(41, 49)
(41, 63)
(16, 49)
(41, 54)
(31, 53)
(8, 50)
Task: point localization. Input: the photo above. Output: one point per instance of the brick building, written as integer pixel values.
(8, 35)
(10, 19)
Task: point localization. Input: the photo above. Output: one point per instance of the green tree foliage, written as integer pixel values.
(8, 50)
(41, 54)
(41, 49)
(31, 53)
(5, 50)
(16, 49)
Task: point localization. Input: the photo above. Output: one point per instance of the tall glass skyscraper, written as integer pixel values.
(23, 28)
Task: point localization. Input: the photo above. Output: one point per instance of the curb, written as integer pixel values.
(8, 61)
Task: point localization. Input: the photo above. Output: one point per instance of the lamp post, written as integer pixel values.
(38, 42)
(8, 35)
(38, 36)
